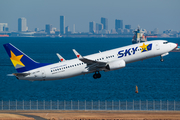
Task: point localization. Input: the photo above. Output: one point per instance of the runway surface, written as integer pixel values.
(93, 115)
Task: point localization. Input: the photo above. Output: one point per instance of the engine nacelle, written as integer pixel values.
(114, 65)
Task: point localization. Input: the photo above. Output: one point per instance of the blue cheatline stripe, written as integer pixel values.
(27, 61)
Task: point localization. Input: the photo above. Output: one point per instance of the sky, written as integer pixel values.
(149, 14)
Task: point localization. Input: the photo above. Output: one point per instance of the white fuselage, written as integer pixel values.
(75, 67)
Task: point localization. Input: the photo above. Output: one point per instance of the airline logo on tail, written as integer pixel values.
(16, 60)
(21, 61)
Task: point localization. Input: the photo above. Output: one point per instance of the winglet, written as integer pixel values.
(60, 57)
(77, 54)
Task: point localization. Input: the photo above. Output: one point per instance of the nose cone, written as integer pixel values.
(173, 45)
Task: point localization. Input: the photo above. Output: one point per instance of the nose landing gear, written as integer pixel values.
(97, 75)
(162, 59)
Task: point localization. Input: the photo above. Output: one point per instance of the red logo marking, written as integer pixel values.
(78, 56)
(61, 59)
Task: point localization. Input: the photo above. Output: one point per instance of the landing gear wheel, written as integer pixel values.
(97, 75)
(162, 59)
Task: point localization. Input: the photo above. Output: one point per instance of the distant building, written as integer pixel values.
(128, 26)
(54, 29)
(48, 28)
(36, 29)
(6, 29)
(104, 21)
(126, 31)
(22, 24)
(118, 24)
(62, 24)
(92, 27)
(2, 25)
(67, 29)
(156, 31)
(113, 31)
(99, 27)
(120, 31)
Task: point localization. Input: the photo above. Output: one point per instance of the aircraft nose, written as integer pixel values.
(173, 45)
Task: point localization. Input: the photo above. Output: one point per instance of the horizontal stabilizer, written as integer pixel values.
(21, 74)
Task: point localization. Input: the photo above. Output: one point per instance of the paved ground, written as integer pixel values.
(95, 115)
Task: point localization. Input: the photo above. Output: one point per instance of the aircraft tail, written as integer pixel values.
(21, 61)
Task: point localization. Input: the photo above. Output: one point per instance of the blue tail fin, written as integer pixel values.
(20, 60)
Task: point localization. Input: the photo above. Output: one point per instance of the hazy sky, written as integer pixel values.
(149, 14)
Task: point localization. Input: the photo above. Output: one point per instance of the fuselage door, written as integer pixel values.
(157, 46)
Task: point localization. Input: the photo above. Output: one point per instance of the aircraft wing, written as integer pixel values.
(91, 64)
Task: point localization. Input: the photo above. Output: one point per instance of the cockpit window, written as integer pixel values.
(165, 42)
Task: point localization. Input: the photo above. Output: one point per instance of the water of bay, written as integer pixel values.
(156, 80)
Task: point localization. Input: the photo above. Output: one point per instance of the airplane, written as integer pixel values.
(28, 69)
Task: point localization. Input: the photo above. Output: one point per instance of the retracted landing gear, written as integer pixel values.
(97, 75)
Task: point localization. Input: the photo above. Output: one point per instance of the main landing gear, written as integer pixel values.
(97, 75)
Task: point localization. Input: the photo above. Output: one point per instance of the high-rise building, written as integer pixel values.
(128, 26)
(67, 29)
(62, 24)
(99, 26)
(22, 25)
(48, 28)
(2, 25)
(92, 26)
(104, 21)
(118, 24)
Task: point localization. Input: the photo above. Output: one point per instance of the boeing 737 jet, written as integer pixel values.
(28, 69)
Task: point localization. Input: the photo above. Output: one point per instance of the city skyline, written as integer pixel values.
(148, 14)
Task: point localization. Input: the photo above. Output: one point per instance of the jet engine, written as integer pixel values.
(114, 65)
